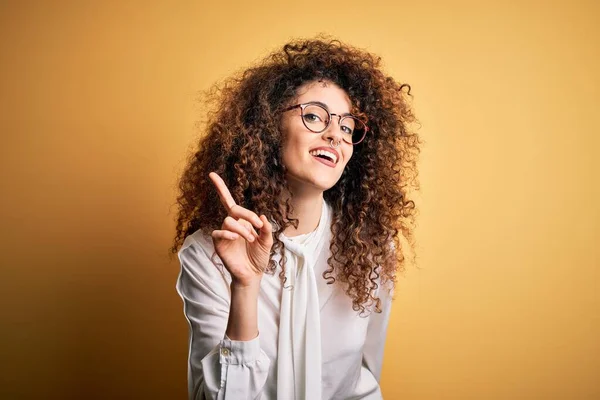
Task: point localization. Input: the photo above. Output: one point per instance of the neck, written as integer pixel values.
(307, 208)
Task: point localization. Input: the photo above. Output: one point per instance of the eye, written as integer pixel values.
(310, 117)
(315, 114)
(348, 124)
(345, 129)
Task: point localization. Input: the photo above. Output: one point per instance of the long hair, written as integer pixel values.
(242, 143)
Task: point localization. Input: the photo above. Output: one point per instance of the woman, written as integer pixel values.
(288, 230)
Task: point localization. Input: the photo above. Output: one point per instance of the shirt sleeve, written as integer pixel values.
(218, 368)
(372, 360)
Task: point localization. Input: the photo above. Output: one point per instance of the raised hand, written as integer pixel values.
(244, 252)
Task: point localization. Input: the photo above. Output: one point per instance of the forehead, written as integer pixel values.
(336, 98)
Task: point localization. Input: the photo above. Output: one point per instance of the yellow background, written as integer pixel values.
(97, 114)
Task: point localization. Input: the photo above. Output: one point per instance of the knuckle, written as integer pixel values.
(228, 221)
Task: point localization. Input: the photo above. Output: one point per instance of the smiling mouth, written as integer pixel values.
(324, 155)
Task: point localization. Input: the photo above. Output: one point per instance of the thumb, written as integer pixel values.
(266, 232)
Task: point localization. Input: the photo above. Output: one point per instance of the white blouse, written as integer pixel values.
(220, 368)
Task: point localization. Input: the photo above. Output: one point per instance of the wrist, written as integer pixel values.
(245, 286)
(243, 311)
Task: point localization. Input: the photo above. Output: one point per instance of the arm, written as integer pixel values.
(218, 367)
(372, 361)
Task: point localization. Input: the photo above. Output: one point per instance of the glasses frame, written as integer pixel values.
(302, 106)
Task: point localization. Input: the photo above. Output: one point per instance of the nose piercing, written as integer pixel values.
(331, 143)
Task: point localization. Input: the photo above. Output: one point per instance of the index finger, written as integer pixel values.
(224, 193)
(232, 208)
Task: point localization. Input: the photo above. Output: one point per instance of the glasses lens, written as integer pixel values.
(353, 129)
(315, 117)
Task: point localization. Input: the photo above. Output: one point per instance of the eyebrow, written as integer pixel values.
(327, 108)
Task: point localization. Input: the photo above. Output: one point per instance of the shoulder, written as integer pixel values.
(198, 257)
(199, 240)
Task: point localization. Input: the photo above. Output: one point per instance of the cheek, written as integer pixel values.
(290, 155)
(290, 146)
(348, 156)
(293, 138)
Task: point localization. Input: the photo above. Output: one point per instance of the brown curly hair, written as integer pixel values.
(242, 143)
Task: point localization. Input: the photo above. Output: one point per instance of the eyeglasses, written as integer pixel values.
(316, 117)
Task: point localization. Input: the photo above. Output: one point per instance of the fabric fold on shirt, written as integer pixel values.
(299, 352)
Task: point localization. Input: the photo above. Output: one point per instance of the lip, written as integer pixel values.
(324, 162)
(329, 149)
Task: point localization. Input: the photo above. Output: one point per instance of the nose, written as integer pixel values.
(333, 131)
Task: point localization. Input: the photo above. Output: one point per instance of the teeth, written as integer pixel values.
(324, 153)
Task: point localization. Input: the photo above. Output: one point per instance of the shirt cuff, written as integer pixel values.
(239, 352)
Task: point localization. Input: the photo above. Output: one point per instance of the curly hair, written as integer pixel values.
(242, 142)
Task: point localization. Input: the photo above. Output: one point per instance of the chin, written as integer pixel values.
(313, 183)
(324, 185)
